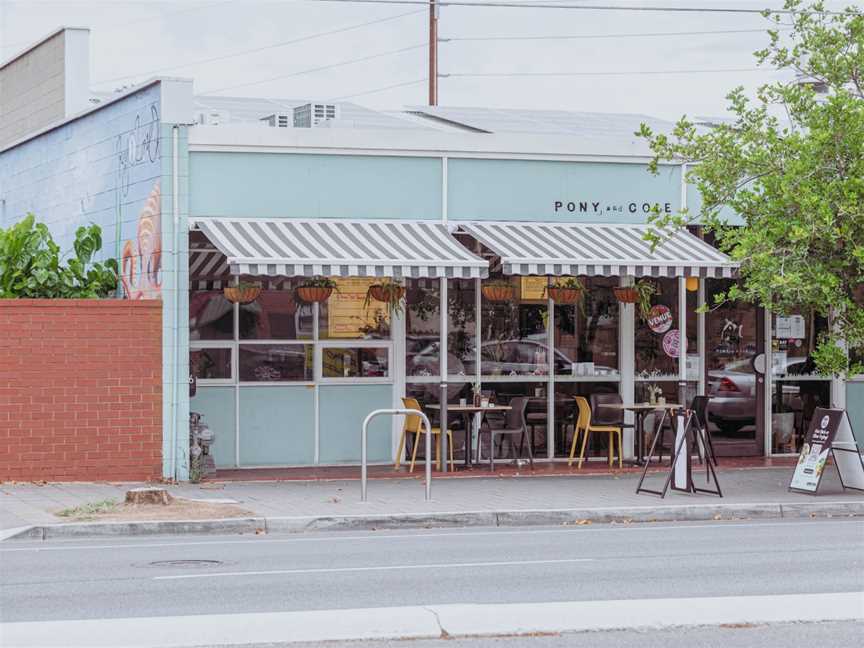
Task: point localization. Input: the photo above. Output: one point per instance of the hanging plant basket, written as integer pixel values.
(498, 292)
(242, 294)
(626, 294)
(562, 295)
(387, 293)
(313, 294)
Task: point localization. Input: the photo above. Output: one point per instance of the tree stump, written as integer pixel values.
(148, 496)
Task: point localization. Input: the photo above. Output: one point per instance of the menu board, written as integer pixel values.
(346, 315)
(533, 288)
(829, 430)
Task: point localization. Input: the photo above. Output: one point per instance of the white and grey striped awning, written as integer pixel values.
(341, 248)
(529, 248)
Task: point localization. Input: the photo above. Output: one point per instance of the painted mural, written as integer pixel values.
(104, 168)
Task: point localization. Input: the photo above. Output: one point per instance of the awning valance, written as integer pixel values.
(341, 248)
(529, 248)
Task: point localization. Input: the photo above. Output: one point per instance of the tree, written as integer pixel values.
(31, 264)
(790, 163)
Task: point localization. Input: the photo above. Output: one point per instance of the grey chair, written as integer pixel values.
(513, 424)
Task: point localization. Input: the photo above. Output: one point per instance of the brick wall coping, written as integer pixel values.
(81, 303)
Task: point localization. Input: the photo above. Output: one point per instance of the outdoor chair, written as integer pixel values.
(584, 424)
(513, 424)
(414, 425)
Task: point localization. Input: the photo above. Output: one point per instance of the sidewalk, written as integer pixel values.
(298, 506)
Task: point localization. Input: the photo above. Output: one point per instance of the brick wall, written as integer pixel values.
(80, 389)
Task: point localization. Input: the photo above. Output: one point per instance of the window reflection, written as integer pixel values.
(658, 335)
(210, 364)
(275, 362)
(513, 335)
(347, 315)
(276, 315)
(211, 316)
(586, 333)
(363, 362)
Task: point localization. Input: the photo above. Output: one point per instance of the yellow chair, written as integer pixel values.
(583, 422)
(414, 425)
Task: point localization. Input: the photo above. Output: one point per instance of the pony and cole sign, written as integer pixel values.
(830, 432)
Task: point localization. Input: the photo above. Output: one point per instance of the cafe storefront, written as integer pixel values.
(287, 381)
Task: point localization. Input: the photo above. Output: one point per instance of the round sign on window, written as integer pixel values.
(659, 318)
(672, 343)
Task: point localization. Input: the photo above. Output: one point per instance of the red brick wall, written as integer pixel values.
(80, 389)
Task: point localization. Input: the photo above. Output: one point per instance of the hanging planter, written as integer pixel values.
(640, 293)
(626, 294)
(566, 291)
(315, 290)
(242, 293)
(498, 291)
(387, 292)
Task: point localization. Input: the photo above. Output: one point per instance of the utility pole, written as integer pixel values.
(433, 53)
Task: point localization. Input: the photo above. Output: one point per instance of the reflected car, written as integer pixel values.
(732, 391)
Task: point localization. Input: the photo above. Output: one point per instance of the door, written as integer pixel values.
(733, 337)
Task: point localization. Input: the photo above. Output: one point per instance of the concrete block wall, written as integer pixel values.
(80, 390)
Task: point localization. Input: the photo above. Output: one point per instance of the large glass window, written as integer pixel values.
(513, 322)
(347, 315)
(210, 363)
(658, 336)
(276, 315)
(586, 333)
(275, 362)
(211, 316)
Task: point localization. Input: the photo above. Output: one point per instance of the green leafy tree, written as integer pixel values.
(31, 265)
(790, 162)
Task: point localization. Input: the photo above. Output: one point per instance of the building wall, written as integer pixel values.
(32, 90)
(855, 407)
(73, 405)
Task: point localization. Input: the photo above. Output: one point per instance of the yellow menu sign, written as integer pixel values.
(533, 288)
(346, 315)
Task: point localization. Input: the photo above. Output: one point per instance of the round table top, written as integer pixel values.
(472, 408)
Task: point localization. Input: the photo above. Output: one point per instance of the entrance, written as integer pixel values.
(737, 392)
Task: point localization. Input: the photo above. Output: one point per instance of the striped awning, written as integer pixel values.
(529, 248)
(341, 248)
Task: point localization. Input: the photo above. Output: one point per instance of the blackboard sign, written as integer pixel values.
(830, 433)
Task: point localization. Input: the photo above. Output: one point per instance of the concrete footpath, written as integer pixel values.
(28, 510)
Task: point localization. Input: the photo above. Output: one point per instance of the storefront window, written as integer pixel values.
(566, 413)
(210, 364)
(348, 316)
(658, 335)
(211, 316)
(586, 333)
(275, 362)
(361, 362)
(276, 315)
(514, 341)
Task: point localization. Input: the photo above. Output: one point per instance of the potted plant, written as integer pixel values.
(388, 292)
(566, 291)
(640, 293)
(316, 289)
(242, 292)
(498, 290)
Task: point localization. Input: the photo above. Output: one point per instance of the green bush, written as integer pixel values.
(31, 265)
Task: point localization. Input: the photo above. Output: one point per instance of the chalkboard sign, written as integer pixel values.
(830, 433)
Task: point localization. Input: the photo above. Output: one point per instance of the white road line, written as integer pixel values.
(373, 568)
(314, 536)
(431, 621)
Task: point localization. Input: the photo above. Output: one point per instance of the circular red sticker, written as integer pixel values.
(672, 343)
(659, 318)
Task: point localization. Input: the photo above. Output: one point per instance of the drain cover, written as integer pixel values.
(186, 563)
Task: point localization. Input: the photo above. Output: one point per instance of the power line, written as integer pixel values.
(320, 68)
(596, 36)
(255, 50)
(610, 73)
(382, 89)
(523, 4)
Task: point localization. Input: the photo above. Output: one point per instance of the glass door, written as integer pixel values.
(736, 391)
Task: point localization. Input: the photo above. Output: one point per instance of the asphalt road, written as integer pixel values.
(105, 578)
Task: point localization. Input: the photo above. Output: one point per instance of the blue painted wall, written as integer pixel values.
(557, 191)
(340, 425)
(275, 185)
(217, 406)
(855, 407)
(277, 426)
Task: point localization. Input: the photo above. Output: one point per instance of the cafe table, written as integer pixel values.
(469, 412)
(641, 411)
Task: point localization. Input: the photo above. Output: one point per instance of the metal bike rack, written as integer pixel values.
(396, 412)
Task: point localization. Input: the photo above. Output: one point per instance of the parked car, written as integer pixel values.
(732, 391)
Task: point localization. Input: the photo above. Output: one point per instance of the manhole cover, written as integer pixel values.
(185, 563)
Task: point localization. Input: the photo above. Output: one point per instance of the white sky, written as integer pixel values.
(145, 38)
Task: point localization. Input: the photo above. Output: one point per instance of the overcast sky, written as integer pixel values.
(143, 38)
